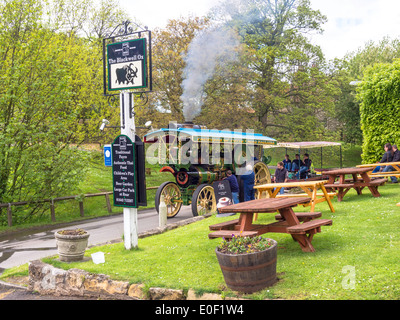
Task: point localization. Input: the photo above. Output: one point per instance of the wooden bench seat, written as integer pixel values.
(330, 194)
(378, 181)
(227, 234)
(339, 185)
(303, 216)
(307, 226)
(227, 225)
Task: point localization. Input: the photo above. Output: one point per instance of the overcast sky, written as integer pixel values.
(351, 23)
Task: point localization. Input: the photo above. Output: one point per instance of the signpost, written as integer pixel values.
(126, 66)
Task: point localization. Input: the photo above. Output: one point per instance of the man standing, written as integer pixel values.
(234, 186)
(248, 183)
(281, 175)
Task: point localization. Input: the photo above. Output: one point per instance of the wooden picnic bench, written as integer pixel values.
(395, 166)
(301, 226)
(359, 181)
(314, 189)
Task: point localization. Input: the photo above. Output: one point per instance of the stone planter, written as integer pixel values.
(71, 244)
(249, 272)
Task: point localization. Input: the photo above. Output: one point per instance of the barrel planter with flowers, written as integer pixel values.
(248, 264)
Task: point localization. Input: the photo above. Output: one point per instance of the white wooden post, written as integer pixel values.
(128, 129)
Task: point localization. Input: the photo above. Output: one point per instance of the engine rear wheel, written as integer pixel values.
(172, 198)
(203, 200)
(262, 176)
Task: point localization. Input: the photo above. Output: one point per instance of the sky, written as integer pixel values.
(351, 23)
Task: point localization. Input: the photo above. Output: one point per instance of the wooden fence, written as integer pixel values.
(52, 201)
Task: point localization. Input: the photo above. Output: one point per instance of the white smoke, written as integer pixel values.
(209, 48)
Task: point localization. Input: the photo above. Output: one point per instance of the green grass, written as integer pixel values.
(364, 236)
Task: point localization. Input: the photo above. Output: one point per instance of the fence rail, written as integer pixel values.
(52, 201)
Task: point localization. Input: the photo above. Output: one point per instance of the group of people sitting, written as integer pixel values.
(392, 154)
(301, 167)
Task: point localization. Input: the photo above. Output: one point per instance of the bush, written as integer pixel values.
(379, 95)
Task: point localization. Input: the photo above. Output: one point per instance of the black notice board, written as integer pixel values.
(124, 177)
(222, 189)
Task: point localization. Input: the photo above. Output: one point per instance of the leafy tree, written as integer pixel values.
(352, 69)
(169, 47)
(50, 102)
(289, 74)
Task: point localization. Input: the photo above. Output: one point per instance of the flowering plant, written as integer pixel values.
(240, 245)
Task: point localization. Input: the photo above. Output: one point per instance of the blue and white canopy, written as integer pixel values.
(211, 136)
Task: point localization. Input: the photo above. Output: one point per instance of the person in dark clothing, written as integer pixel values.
(297, 163)
(281, 175)
(387, 156)
(396, 158)
(306, 166)
(248, 183)
(234, 186)
(287, 163)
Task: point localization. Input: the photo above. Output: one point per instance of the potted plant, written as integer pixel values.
(248, 264)
(71, 244)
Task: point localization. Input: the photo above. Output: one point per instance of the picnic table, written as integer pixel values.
(310, 188)
(358, 181)
(395, 165)
(302, 227)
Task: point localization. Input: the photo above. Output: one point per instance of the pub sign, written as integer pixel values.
(126, 63)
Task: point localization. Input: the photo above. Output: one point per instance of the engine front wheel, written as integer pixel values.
(172, 198)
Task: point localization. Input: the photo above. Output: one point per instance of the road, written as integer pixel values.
(20, 248)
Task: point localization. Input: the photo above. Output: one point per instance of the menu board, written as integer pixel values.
(124, 178)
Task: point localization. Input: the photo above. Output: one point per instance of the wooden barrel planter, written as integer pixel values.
(249, 272)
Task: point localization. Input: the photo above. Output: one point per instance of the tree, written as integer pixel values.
(289, 78)
(169, 47)
(50, 91)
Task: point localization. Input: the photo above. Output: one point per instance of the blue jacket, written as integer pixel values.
(248, 185)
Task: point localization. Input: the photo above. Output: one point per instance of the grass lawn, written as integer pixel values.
(356, 258)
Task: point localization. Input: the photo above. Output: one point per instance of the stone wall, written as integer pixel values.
(48, 280)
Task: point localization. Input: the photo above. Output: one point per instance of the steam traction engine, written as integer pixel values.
(197, 157)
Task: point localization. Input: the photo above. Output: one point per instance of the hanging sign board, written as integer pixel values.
(124, 177)
(126, 63)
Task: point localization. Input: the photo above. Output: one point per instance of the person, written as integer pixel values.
(306, 166)
(387, 156)
(287, 163)
(281, 175)
(234, 186)
(297, 163)
(396, 158)
(248, 183)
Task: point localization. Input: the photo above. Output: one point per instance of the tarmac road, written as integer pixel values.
(20, 248)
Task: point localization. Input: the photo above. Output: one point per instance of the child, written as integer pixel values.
(281, 175)
(287, 163)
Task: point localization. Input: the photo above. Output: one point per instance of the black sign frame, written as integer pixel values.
(124, 172)
(126, 36)
(126, 61)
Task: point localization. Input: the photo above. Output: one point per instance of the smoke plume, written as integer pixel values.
(209, 48)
